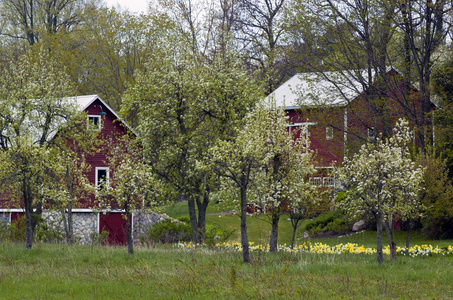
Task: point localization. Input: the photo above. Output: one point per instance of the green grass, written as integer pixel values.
(81, 272)
(258, 229)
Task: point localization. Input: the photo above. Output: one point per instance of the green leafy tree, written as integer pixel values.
(267, 164)
(32, 19)
(442, 87)
(132, 185)
(381, 180)
(185, 104)
(33, 105)
(237, 161)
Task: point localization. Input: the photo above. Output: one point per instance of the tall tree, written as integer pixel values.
(32, 19)
(362, 40)
(184, 105)
(425, 25)
(442, 87)
(238, 162)
(34, 104)
(68, 184)
(261, 29)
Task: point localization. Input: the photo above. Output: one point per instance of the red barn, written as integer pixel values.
(342, 112)
(86, 218)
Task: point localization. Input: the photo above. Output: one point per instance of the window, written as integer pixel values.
(102, 177)
(322, 181)
(315, 181)
(94, 122)
(328, 181)
(329, 133)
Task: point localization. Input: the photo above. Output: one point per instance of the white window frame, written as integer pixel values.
(91, 126)
(107, 175)
(291, 125)
(315, 181)
(328, 181)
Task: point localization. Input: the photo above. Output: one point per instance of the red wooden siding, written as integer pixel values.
(110, 127)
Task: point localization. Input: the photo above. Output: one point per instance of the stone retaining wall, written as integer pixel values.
(85, 223)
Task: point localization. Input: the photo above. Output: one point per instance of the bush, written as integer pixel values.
(4, 236)
(437, 199)
(49, 233)
(216, 234)
(333, 220)
(17, 231)
(169, 231)
(99, 239)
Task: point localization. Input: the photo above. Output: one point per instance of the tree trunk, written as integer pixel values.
(196, 237)
(69, 228)
(274, 232)
(244, 237)
(70, 237)
(389, 230)
(65, 225)
(293, 237)
(380, 258)
(29, 228)
(202, 207)
(130, 242)
(28, 213)
(294, 223)
(407, 236)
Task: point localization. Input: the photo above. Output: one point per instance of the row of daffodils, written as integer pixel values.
(423, 250)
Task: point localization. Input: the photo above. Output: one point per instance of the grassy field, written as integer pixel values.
(259, 229)
(81, 272)
(57, 271)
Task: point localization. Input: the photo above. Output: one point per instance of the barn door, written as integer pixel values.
(115, 224)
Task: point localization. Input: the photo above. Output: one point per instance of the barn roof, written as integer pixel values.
(313, 89)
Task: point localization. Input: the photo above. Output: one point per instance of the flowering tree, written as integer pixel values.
(131, 186)
(237, 161)
(183, 107)
(286, 164)
(267, 164)
(381, 180)
(33, 107)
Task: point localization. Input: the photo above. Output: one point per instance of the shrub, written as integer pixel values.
(216, 234)
(184, 219)
(437, 199)
(3, 232)
(169, 231)
(99, 239)
(17, 231)
(50, 233)
(333, 220)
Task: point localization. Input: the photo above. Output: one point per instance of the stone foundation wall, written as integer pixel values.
(142, 221)
(85, 223)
